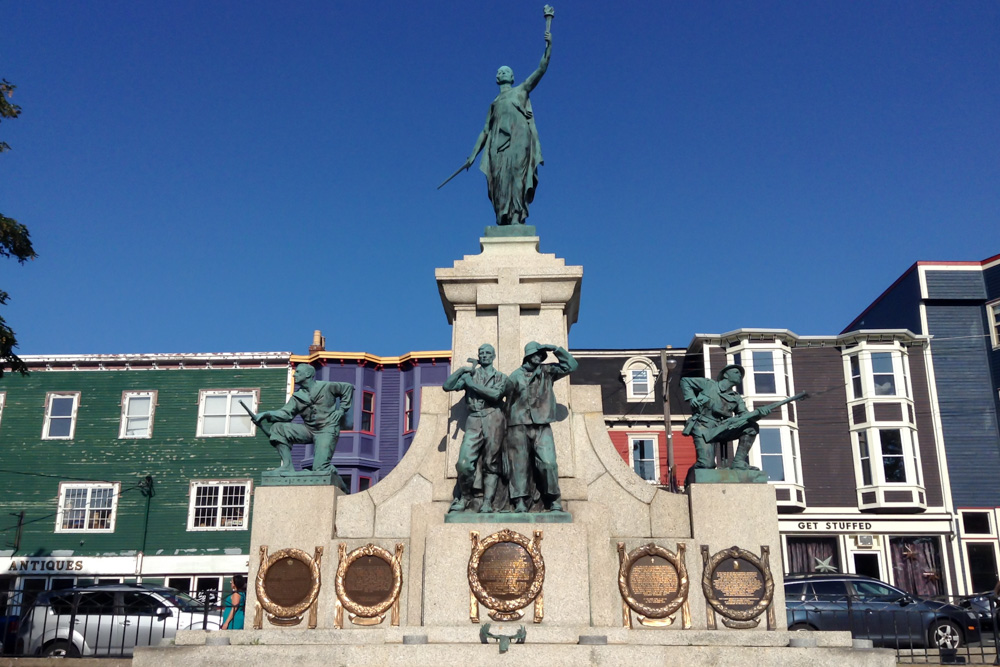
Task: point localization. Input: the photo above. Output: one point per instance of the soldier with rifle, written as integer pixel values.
(718, 414)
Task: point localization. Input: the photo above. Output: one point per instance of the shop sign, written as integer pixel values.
(835, 526)
(45, 565)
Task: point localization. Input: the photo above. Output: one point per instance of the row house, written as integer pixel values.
(855, 467)
(120, 468)
(957, 306)
(141, 468)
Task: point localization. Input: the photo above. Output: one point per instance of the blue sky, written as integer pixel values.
(229, 176)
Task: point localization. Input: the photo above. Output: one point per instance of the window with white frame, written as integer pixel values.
(408, 424)
(639, 375)
(644, 456)
(993, 311)
(766, 370)
(772, 461)
(87, 507)
(220, 413)
(886, 447)
(219, 505)
(888, 456)
(137, 414)
(60, 415)
(878, 372)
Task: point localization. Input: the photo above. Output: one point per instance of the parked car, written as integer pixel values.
(985, 606)
(872, 609)
(109, 620)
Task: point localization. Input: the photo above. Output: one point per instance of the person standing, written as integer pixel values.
(235, 604)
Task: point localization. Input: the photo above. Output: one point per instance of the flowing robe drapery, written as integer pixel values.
(511, 155)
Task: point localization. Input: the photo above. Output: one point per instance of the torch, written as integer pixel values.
(549, 13)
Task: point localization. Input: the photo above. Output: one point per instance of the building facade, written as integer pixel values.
(386, 408)
(121, 468)
(957, 305)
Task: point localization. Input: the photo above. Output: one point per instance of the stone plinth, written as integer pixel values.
(294, 517)
(446, 581)
(743, 515)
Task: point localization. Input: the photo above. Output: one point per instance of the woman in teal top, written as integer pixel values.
(235, 604)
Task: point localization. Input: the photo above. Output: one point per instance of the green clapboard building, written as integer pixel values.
(124, 468)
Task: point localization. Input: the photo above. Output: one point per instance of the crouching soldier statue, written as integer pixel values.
(325, 408)
(719, 415)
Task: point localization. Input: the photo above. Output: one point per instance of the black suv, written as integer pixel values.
(872, 609)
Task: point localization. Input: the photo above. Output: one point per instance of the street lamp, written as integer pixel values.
(666, 366)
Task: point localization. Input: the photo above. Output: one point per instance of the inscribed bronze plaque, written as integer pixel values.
(369, 581)
(288, 582)
(738, 586)
(506, 572)
(653, 583)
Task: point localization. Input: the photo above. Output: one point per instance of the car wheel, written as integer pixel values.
(800, 627)
(945, 634)
(60, 649)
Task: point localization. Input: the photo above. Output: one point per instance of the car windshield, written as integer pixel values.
(183, 601)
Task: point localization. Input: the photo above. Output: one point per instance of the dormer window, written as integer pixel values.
(639, 375)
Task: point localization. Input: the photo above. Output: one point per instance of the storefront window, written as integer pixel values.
(916, 565)
(813, 554)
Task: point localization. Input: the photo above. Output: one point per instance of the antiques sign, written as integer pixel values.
(738, 586)
(369, 580)
(506, 572)
(653, 583)
(287, 586)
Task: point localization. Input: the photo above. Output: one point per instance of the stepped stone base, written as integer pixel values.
(551, 646)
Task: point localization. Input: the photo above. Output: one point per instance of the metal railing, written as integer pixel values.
(93, 626)
(943, 630)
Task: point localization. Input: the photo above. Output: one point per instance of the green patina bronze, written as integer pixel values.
(719, 415)
(509, 142)
(479, 457)
(507, 460)
(531, 408)
(325, 408)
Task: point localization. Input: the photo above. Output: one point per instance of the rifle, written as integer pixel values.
(266, 428)
(738, 422)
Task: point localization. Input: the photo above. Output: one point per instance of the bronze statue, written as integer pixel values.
(531, 407)
(509, 142)
(718, 414)
(325, 408)
(479, 459)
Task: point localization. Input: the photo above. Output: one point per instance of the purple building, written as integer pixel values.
(386, 407)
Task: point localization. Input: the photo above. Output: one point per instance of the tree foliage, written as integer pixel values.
(15, 241)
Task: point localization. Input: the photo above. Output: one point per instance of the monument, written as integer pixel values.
(559, 592)
(719, 415)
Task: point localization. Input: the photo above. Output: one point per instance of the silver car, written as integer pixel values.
(109, 620)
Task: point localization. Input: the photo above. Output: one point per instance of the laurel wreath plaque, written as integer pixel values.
(287, 585)
(738, 586)
(347, 590)
(661, 561)
(514, 572)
